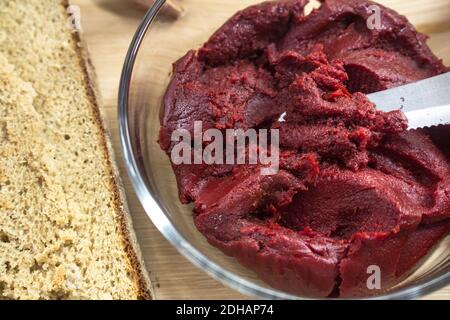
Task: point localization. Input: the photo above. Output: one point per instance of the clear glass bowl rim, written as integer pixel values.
(157, 214)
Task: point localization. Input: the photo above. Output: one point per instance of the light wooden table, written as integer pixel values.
(108, 26)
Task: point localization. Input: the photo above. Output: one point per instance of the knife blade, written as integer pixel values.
(425, 103)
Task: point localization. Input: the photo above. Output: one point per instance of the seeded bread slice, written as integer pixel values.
(65, 230)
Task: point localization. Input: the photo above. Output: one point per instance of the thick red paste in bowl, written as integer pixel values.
(355, 188)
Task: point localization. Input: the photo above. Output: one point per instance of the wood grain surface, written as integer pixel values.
(108, 26)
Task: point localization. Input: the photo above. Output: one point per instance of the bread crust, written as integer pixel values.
(144, 289)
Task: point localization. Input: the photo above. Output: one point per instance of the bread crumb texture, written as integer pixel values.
(60, 236)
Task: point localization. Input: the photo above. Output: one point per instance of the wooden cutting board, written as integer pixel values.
(108, 26)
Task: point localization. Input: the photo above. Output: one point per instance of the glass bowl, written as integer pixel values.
(158, 42)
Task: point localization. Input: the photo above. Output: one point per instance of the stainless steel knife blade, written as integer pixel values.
(425, 103)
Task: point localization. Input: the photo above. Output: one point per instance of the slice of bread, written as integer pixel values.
(65, 231)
